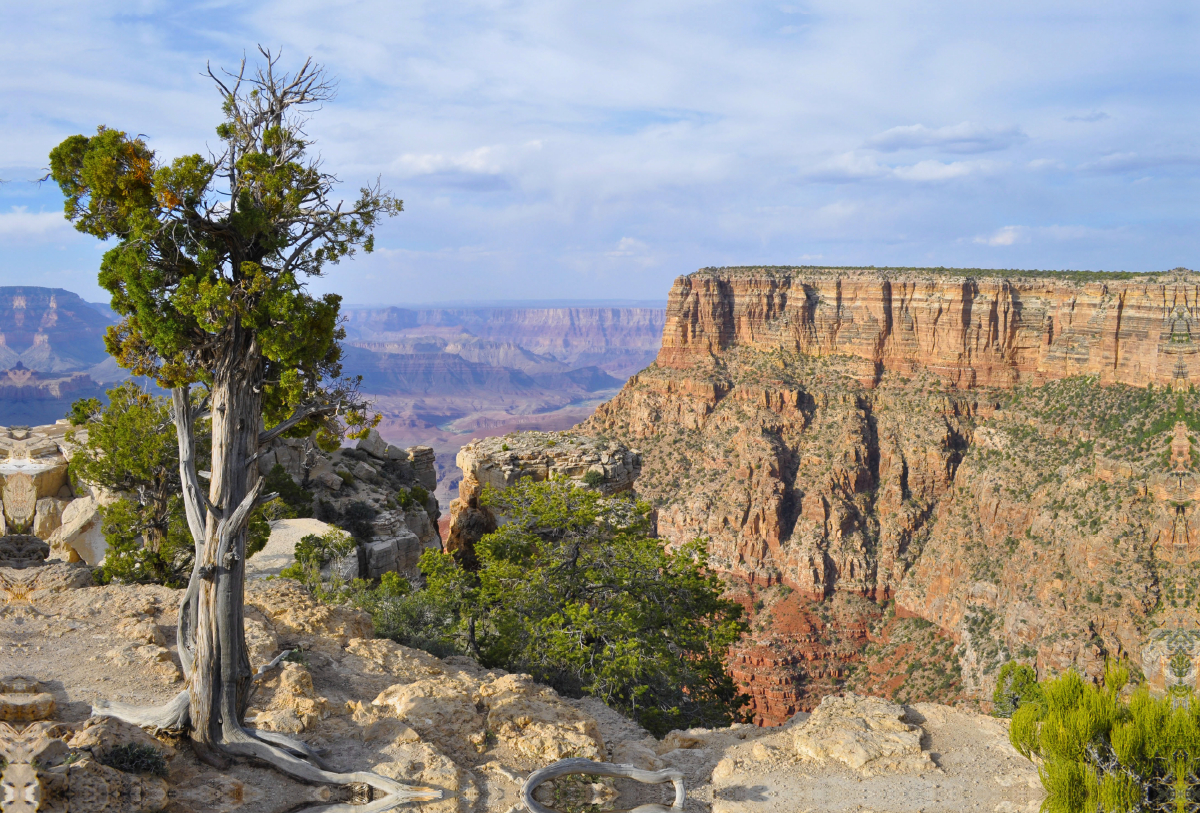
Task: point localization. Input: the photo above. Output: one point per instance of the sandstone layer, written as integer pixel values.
(500, 462)
(910, 477)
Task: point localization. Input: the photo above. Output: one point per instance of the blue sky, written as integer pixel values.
(572, 150)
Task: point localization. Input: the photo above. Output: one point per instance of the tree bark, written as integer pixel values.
(219, 686)
(211, 626)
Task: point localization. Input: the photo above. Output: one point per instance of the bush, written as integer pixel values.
(573, 591)
(357, 519)
(1101, 753)
(1016, 685)
(317, 551)
(593, 478)
(133, 758)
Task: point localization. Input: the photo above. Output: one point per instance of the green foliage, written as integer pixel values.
(294, 500)
(131, 449)
(135, 758)
(204, 244)
(1102, 753)
(318, 551)
(593, 478)
(1015, 686)
(414, 497)
(573, 591)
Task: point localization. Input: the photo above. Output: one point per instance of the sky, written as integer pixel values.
(558, 150)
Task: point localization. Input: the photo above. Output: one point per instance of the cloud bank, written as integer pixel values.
(597, 151)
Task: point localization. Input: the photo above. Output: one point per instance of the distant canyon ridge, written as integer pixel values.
(440, 377)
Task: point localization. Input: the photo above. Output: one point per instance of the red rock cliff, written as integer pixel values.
(979, 453)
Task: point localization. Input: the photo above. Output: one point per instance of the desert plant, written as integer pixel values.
(135, 758)
(1016, 685)
(574, 591)
(1101, 753)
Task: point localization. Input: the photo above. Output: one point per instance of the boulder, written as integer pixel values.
(534, 721)
(381, 556)
(280, 550)
(80, 530)
(374, 445)
(440, 709)
(868, 734)
(48, 516)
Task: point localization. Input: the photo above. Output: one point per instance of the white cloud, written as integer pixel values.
(1013, 235)
(938, 171)
(19, 222)
(480, 160)
(627, 247)
(1007, 236)
(853, 166)
(961, 138)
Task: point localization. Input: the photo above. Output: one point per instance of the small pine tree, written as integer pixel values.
(1101, 753)
(1016, 685)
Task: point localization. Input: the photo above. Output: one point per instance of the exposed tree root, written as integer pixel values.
(566, 767)
(172, 716)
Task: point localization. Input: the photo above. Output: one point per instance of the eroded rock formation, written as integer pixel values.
(910, 477)
(500, 462)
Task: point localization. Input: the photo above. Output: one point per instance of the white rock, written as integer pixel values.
(80, 530)
(374, 445)
(864, 733)
(280, 550)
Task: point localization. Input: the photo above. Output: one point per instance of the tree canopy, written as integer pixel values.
(573, 590)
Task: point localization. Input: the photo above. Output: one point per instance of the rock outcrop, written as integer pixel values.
(988, 465)
(474, 733)
(501, 462)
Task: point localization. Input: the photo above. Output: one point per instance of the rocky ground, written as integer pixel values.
(476, 734)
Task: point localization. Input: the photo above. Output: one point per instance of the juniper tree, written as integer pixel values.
(208, 270)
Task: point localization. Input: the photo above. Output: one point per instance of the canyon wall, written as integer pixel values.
(910, 477)
(971, 331)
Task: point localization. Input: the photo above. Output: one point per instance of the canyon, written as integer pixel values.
(444, 377)
(51, 353)
(911, 476)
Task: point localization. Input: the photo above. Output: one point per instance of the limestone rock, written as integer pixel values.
(295, 705)
(442, 710)
(48, 516)
(535, 722)
(81, 530)
(280, 550)
(99, 735)
(864, 733)
(296, 617)
(373, 445)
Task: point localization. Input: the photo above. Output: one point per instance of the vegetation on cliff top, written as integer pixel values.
(1068, 275)
(573, 590)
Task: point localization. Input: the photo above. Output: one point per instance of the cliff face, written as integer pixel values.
(619, 340)
(971, 332)
(912, 478)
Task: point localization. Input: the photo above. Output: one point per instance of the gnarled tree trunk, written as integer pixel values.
(211, 630)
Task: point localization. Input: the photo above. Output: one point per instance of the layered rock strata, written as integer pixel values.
(998, 466)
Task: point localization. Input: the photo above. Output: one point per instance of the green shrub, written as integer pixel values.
(1102, 753)
(573, 591)
(593, 478)
(133, 758)
(1016, 685)
(317, 551)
